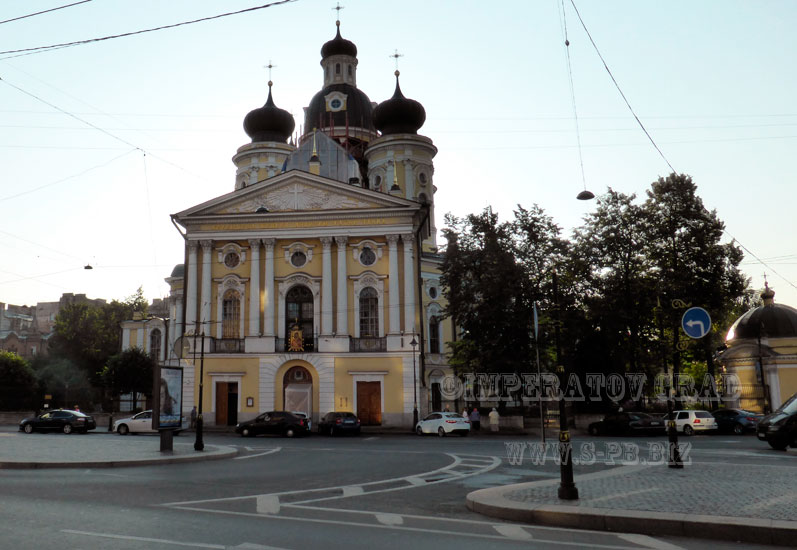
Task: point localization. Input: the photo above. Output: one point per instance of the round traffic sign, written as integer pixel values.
(696, 322)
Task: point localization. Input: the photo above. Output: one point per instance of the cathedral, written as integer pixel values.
(314, 284)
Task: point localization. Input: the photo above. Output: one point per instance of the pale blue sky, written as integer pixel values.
(713, 81)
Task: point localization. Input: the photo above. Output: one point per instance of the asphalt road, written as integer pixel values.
(385, 491)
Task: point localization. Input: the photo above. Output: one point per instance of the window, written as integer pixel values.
(349, 68)
(432, 292)
(367, 256)
(298, 259)
(232, 260)
(434, 334)
(369, 318)
(155, 344)
(299, 310)
(230, 315)
(337, 68)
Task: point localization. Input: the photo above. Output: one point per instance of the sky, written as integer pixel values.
(101, 142)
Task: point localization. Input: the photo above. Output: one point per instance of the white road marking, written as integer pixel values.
(515, 532)
(649, 542)
(352, 491)
(270, 451)
(390, 519)
(145, 539)
(268, 504)
(370, 438)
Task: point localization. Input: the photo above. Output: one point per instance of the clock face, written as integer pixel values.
(336, 104)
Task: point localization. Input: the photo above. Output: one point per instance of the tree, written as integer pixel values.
(65, 381)
(17, 382)
(130, 371)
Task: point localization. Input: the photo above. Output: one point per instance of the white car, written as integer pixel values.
(690, 422)
(442, 424)
(138, 423)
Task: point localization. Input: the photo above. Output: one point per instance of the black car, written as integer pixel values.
(779, 429)
(737, 421)
(275, 423)
(60, 420)
(336, 423)
(628, 423)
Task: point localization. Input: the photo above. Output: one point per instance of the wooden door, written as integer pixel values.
(221, 403)
(369, 403)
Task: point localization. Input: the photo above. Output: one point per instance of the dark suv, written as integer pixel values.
(779, 429)
(60, 420)
(335, 423)
(274, 422)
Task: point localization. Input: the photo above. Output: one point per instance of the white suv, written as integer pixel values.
(690, 422)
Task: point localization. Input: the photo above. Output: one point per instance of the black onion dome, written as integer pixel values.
(269, 122)
(338, 46)
(772, 320)
(399, 115)
(178, 271)
(358, 112)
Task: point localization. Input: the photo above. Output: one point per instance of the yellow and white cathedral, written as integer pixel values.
(315, 283)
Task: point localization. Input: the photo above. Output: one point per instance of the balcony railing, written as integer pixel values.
(227, 345)
(283, 345)
(367, 344)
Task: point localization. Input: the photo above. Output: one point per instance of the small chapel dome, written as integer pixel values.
(178, 271)
(399, 115)
(269, 122)
(769, 320)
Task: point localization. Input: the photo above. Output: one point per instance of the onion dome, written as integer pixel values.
(338, 46)
(178, 271)
(770, 320)
(269, 122)
(399, 115)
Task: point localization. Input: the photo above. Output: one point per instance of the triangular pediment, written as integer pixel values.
(297, 192)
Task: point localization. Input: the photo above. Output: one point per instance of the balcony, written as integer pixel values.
(367, 344)
(227, 345)
(282, 345)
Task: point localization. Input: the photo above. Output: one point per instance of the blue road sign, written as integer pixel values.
(696, 322)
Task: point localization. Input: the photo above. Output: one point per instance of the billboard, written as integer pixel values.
(171, 397)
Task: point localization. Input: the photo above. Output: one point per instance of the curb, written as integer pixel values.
(491, 502)
(218, 454)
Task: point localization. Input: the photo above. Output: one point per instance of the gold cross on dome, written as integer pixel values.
(269, 67)
(337, 9)
(395, 56)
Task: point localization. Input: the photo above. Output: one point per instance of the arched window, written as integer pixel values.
(337, 68)
(231, 315)
(299, 310)
(155, 344)
(349, 67)
(434, 335)
(369, 314)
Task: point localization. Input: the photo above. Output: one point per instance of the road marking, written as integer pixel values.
(649, 542)
(390, 519)
(268, 504)
(352, 491)
(145, 539)
(370, 438)
(270, 451)
(515, 532)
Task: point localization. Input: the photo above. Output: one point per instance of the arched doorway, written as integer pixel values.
(297, 390)
(299, 311)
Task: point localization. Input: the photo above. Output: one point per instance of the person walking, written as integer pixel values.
(494, 416)
(465, 414)
(475, 419)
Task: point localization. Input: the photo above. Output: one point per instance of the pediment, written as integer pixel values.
(296, 192)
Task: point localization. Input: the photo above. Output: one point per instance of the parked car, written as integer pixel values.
(779, 429)
(335, 423)
(628, 423)
(690, 422)
(58, 420)
(442, 424)
(737, 421)
(138, 423)
(307, 418)
(274, 422)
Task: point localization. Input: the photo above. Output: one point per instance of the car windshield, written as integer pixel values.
(453, 415)
(790, 406)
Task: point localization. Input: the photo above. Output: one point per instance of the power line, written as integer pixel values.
(762, 262)
(45, 11)
(39, 49)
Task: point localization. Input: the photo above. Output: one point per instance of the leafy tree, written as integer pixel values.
(130, 371)
(17, 382)
(65, 381)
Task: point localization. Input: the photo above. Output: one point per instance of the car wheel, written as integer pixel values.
(245, 432)
(418, 430)
(441, 431)
(778, 444)
(28, 428)
(289, 432)
(67, 428)
(738, 429)
(688, 430)
(123, 429)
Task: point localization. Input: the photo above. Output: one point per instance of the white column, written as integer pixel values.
(409, 285)
(343, 288)
(326, 286)
(254, 287)
(193, 289)
(393, 302)
(207, 249)
(268, 290)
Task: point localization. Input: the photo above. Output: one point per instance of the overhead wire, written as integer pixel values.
(762, 262)
(45, 11)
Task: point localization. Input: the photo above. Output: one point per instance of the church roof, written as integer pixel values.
(769, 320)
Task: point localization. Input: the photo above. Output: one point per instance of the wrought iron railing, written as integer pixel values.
(227, 345)
(367, 344)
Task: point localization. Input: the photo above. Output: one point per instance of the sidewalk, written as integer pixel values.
(19, 450)
(756, 505)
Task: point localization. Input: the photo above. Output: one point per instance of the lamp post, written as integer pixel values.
(414, 343)
(199, 444)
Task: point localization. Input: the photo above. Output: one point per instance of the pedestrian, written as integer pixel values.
(475, 419)
(193, 418)
(448, 409)
(77, 409)
(465, 414)
(494, 420)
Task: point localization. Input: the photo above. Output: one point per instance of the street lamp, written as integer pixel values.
(199, 444)
(414, 343)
